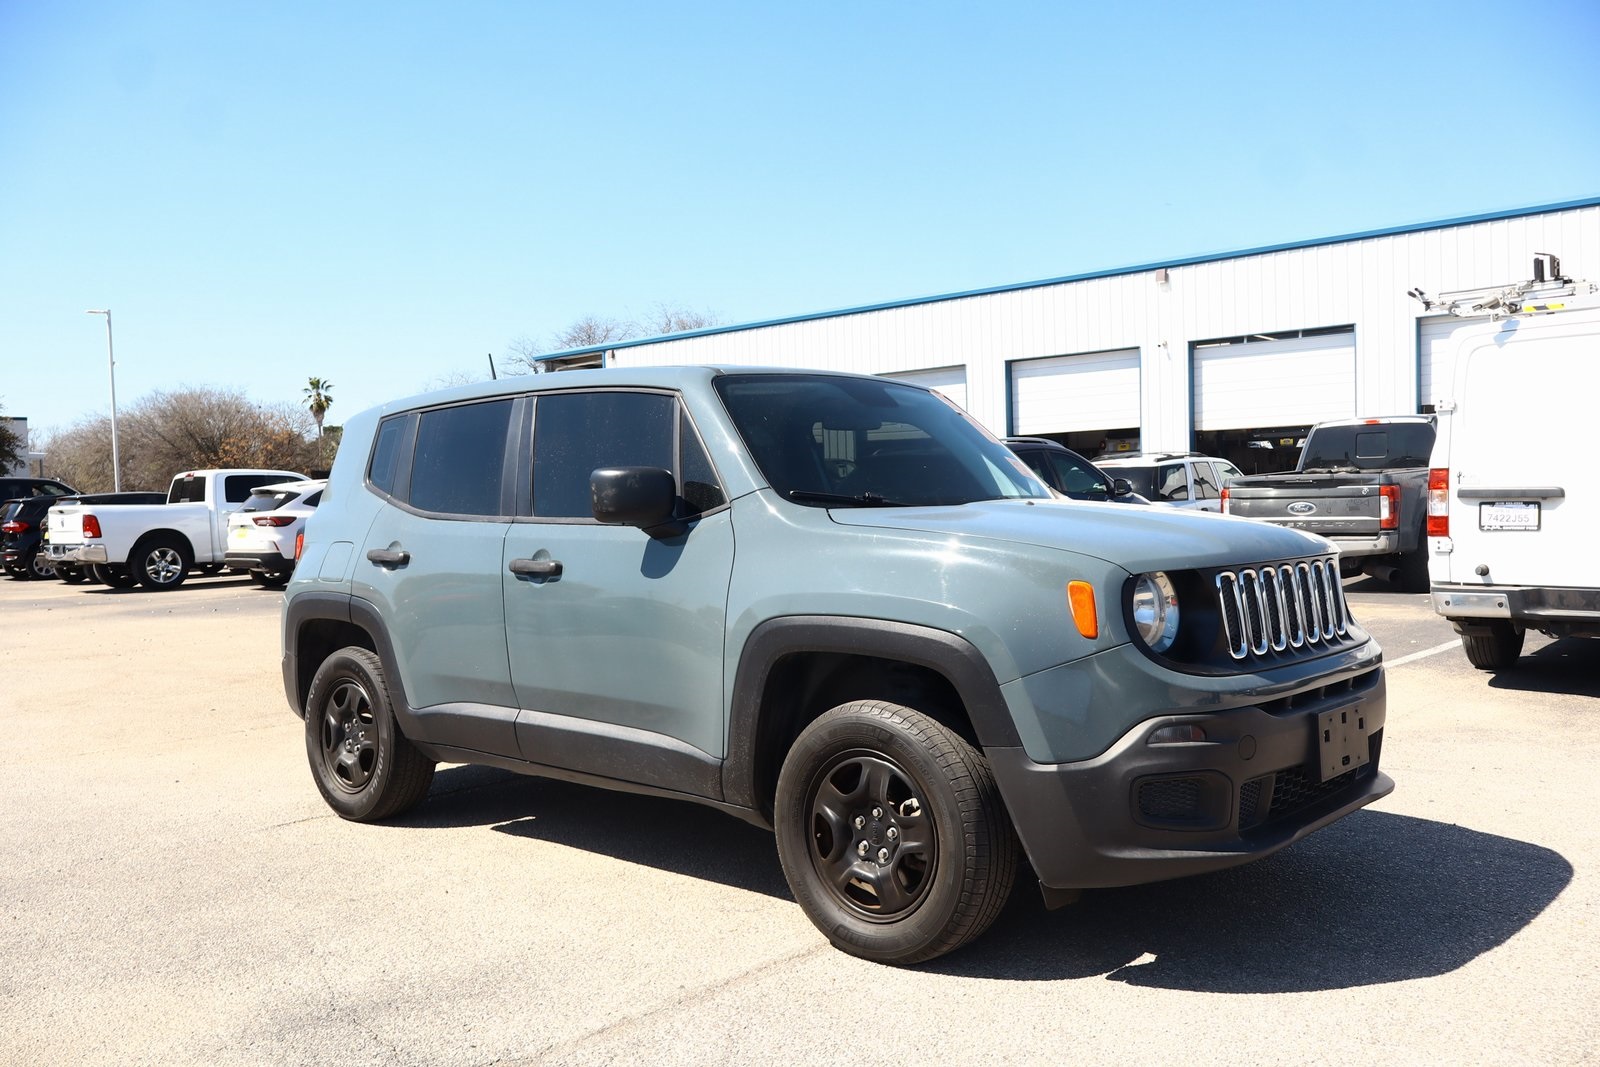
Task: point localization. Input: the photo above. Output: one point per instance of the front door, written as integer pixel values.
(616, 638)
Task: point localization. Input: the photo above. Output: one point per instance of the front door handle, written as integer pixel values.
(536, 568)
(389, 557)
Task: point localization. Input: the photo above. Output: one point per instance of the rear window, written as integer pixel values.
(1366, 447)
(271, 501)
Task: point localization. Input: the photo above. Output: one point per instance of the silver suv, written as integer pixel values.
(830, 605)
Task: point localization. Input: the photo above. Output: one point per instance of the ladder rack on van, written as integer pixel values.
(1547, 291)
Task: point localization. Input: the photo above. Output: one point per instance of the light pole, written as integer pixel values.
(111, 360)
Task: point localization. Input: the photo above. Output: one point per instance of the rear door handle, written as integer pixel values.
(388, 557)
(536, 568)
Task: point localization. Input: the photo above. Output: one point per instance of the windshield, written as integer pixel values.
(1368, 447)
(830, 441)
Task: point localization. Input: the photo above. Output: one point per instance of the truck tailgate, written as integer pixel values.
(65, 525)
(1322, 505)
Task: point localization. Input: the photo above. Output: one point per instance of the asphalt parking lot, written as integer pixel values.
(174, 891)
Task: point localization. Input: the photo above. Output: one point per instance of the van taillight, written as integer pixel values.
(1439, 502)
(91, 526)
(1388, 507)
(1224, 500)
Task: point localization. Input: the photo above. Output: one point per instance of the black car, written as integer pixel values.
(1070, 474)
(22, 525)
(14, 488)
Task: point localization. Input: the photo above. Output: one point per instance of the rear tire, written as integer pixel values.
(892, 833)
(363, 765)
(70, 573)
(1496, 649)
(160, 563)
(270, 579)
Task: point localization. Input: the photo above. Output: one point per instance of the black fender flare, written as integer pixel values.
(345, 608)
(946, 653)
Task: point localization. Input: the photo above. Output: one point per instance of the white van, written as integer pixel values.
(1514, 484)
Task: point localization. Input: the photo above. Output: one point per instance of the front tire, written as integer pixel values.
(892, 833)
(40, 567)
(363, 765)
(1495, 649)
(114, 575)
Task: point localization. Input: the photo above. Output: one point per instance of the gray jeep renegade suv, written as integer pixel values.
(834, 606)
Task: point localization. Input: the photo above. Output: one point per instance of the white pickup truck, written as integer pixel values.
(155, 545)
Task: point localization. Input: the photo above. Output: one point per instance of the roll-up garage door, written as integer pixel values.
(1282, 382)
(1436, 348)
(951, 381)
(1063, 394)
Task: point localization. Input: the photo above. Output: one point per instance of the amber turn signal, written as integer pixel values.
(1080, 597)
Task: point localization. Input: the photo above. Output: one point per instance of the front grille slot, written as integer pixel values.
(1272, 609)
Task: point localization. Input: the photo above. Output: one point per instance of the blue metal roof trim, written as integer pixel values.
(1190, 261)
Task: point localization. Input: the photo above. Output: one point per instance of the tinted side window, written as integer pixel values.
(1205, 484)
(1077, 480)
(1037, 463)
(386, 454)
(459, 458)
(702, 491)
(576, 433)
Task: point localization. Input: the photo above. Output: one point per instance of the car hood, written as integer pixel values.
(1138, 539)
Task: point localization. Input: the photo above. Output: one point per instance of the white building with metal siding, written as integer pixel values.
(1230, 353)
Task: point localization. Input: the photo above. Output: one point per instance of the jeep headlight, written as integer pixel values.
(1155, 610)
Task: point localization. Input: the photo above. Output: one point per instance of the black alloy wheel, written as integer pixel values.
(892, 833)
(363, 765)
(871, 838)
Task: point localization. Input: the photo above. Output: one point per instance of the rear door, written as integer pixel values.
(1524, 493)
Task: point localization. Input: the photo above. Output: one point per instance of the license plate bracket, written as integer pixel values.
(1509, 515)
(1342, 741)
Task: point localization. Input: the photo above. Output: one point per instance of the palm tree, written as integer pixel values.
(319, 398)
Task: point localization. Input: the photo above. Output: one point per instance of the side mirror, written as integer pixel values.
(645, 497)
(1121, 487)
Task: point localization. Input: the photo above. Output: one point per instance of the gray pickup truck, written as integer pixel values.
(833, 606)
(1362, 484)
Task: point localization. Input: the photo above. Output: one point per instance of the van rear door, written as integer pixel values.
(1524, 493)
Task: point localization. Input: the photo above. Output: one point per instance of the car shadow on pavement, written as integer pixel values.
(671, 835)
(1374, 898)
(1570, 666)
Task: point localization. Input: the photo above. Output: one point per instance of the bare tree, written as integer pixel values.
(165, 433)
(666, 319)
(522, 354)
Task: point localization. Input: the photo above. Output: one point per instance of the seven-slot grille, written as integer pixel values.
(1285, 606)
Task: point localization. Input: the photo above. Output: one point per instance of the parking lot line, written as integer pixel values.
(1424, 654)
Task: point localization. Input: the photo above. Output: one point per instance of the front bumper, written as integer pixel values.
(1143, 813)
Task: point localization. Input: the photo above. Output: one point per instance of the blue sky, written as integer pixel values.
(382, 194)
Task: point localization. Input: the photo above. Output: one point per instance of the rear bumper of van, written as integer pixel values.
(1574, 611)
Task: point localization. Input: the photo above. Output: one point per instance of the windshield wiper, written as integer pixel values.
(868, 499)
